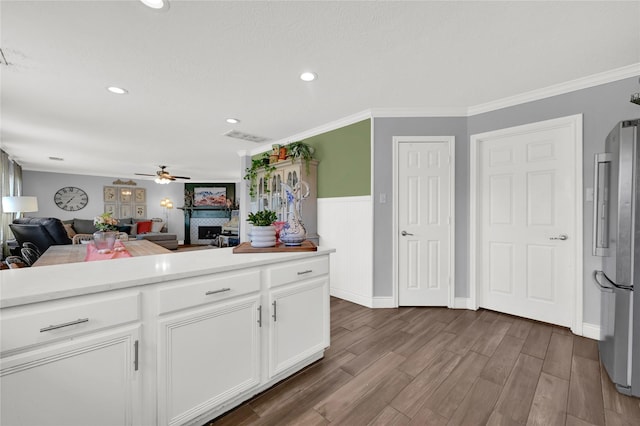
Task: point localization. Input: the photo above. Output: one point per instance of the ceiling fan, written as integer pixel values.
(163, 176)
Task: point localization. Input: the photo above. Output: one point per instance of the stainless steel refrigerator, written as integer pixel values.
(616, 237)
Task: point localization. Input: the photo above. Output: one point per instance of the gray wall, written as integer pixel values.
(44, 185)
(602, 107)
(384, 130)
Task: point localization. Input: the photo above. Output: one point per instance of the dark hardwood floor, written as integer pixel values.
(437, 366)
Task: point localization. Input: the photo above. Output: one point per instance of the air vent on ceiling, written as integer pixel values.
(246, 136)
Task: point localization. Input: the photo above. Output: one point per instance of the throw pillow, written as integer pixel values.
(144, 227)
(84, 226)
(156, 226)
(133, 230)
(124, 228)
(69, 228)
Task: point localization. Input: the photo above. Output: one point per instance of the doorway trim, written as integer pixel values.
(575, 123)
(451, 141)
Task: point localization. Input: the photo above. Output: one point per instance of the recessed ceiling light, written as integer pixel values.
(117, 90)
(308, 76)
(154, 4)
(233, 120)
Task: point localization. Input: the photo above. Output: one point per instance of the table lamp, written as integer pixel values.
(19, 204)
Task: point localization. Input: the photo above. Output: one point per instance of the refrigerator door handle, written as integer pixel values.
(601, 204)
(596, 274)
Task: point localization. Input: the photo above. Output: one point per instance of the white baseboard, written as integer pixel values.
(352, 297)
(383, 302)
(591, 331)
(463, 303)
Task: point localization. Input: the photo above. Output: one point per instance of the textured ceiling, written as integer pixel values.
(199, 62)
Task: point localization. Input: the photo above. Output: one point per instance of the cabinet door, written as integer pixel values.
(299, 323)
(88, 381)
(206, 357)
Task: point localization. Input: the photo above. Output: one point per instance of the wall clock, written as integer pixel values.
(71, 198)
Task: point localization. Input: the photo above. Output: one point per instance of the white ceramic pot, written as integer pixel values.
(263, 236)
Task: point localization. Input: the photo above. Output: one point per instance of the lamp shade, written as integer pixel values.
(19, 204)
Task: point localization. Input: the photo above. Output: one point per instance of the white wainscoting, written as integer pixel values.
(346, 224)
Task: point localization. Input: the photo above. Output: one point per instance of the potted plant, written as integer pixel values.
(302, 151)
(251, 174)
(263, 233)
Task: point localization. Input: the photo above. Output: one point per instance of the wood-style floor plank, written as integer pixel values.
(438, 366)
(549, 406)
(585, 391)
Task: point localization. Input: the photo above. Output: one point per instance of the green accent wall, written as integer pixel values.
(344, 160)
(344, 156)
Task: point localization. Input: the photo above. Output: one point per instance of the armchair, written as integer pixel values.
(41, 231)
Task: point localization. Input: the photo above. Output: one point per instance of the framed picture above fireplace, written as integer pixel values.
(212, 196)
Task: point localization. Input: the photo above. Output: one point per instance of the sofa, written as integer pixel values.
(42, 231)
(154, 230)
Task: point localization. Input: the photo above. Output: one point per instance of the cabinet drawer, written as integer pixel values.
(297, 271)
(209, 288)
(30, 325)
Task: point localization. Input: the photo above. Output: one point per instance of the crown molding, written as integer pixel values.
(419, 112)
(333, 125)
(610, 76)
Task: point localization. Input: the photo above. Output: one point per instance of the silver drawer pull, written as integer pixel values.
(308, 271)
(222, 290)
(66, 324)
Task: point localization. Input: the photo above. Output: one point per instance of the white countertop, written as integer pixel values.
(32, 285)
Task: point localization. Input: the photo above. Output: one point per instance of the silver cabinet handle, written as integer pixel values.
(275, 316)
(222, 290)
(561, 237)
(66, 324)
(405, 233)
(308, 271)
(260, 316)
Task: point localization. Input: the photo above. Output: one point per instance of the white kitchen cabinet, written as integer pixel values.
(299, 312)
(88, 380)
(206, 357)
(167, 348)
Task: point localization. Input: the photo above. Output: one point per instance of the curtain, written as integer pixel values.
(10, 185)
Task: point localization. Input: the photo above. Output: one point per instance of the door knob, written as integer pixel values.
(560, 237)
(405, 233)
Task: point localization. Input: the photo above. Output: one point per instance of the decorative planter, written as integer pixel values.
(263, 236)
(104, 240)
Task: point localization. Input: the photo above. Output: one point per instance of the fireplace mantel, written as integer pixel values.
(201, 212)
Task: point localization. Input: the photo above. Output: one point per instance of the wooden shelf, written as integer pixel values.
(280, 247)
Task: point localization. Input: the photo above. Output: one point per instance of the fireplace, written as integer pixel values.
(209, 232)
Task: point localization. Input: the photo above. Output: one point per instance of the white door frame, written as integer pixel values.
(451, 141)
(575, 123)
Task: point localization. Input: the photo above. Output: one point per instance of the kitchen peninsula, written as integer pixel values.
(171, 339)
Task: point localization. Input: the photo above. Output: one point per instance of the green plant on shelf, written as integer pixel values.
(257, 165)
(262, 218)
(302, 151)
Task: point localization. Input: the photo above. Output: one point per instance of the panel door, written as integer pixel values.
(206, 357)
(299, 325)
(90, 380)
(527, 209)
(424, 223)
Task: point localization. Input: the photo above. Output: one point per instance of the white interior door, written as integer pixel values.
(527, 210)
(424, 217)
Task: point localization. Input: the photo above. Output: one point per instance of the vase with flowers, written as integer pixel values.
(105, 238)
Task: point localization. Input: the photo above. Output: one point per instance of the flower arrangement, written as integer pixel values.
(105, 222)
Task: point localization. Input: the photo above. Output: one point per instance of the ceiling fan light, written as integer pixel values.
(162, 180)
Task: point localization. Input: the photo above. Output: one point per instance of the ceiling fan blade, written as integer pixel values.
(143, 174)
(181, 177)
